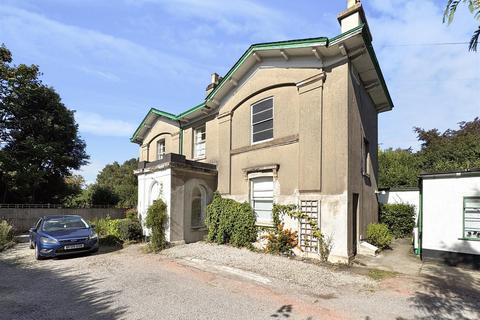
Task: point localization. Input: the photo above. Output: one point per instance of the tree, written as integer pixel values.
(39, 141)
(398, 168)
(474, 7)
(93, 195)
(120, 179)
(452, 149)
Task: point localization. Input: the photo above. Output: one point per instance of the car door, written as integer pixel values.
(34, 231)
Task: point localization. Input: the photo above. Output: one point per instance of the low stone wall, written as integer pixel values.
(23, 219)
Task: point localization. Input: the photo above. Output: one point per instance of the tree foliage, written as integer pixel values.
(398, 168)
(451, 150)
(119, 178)
(474, 7)
(93, 195)
(39, 141)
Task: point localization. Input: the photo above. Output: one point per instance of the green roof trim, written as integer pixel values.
(267, 46)
(373, 56)
(289, 44)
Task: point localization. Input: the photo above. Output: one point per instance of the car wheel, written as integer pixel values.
(37, 254)
(31, 245)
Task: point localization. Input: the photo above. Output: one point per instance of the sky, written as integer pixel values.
(112, 61)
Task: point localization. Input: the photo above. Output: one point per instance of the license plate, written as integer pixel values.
(74, 246)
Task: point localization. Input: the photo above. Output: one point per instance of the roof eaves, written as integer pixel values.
(191, 110)
(376, 65)
(267, 46)
(142, 124)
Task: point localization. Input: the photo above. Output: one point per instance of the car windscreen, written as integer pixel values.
(64, 223)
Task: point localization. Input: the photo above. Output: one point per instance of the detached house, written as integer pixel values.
(292, 122)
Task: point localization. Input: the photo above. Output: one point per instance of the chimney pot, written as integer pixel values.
(213, 82)
(215, 78)
(351, 3)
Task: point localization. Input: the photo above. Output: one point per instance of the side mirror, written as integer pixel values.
(32, 229)
(92, 226)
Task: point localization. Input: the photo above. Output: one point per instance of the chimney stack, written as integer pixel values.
(213, 82)
(352, 17)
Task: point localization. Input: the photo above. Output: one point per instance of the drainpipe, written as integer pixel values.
(180, 141)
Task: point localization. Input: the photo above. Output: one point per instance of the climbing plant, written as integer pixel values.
(290, 210)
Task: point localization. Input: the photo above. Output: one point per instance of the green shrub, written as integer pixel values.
(117, 230)
(130, 230)
(131, 214)
(229, 221)
(281, 241)
(379, 235)
(156, 220)
(5, 232)
(400, 218)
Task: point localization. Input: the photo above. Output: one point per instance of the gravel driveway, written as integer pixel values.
(204, 281)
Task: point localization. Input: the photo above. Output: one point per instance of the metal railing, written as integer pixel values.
(49, 206)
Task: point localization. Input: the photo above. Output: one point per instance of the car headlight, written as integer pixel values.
(93, 235)
(46, 240)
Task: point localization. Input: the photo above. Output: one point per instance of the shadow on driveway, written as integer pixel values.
(46, 291)
(448, 293)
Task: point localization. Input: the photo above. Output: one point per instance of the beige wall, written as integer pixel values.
(183, 183)
(363, 123)
(320, 119)
(161, 130)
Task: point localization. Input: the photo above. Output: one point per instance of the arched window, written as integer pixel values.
(155, 192)
(199, 206)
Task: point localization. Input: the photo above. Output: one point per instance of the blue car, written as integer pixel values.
(54, 236)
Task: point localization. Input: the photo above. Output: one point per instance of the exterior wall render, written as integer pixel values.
(442, 214)
(176, 186)
(362, 125)
(311, 145)
(161, 130)
(146, 184)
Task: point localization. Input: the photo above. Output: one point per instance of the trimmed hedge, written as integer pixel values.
(400, 218)
(229, 221)
(379, 235)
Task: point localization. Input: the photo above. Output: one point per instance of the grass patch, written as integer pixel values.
(378, 275)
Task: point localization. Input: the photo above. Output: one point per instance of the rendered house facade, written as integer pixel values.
(292, 122)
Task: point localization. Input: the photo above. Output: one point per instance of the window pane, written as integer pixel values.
(262, 106)
(472, 218)
(262, 198)
(262, 126)
(160, 149)
(199, 143)
(262, 116)
(263, 135)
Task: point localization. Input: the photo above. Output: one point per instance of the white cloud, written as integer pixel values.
(88, 47)
(432, 86)
(96, 124)
(234, 18)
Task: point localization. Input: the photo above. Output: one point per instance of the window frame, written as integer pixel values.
(252, 124)
(464, 237)
(161, 141)
(366, 161)
(203, 208)
(252, 179)
(195, 156)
